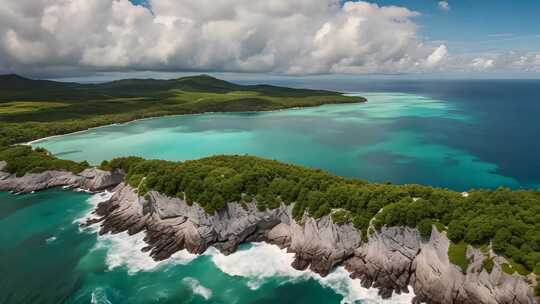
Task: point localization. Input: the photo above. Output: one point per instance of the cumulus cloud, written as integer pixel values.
(279, 36)
(510, 61)
(482, 63)
(444, 6)
(437, 56)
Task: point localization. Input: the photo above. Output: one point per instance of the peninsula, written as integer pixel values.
(449, 247)
(33, 109)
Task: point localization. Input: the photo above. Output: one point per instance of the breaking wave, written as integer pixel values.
(263, 261)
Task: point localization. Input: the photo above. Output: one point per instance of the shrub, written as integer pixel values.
(488, 264)
(457, 253)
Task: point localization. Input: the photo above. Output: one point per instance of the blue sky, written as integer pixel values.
(478, 25)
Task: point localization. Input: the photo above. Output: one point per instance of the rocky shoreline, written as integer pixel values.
(91, 179)
(390, 260)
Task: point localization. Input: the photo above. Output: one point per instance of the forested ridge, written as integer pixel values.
(23, 159)
(507, 221)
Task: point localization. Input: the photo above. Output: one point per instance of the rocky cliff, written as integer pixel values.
(391, 260)
(395, 258)
(91, 179)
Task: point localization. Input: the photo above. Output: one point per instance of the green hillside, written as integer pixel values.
(31, 109)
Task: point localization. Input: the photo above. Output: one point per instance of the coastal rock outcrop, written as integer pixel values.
(172, 225)
(397, 257)
(91, 179)
(391, 260)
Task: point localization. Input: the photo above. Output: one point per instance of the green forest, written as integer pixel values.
(508, 220)
(32, 109)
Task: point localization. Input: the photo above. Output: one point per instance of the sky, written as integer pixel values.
(84, 38)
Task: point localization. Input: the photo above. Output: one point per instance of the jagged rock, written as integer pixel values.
(91, 179)
(280, 235)
(95, 179)
(172, 225)
(322, 243)
(3, 165)
(395, 258)
(391, 271)
(439, 281)
(391, 260)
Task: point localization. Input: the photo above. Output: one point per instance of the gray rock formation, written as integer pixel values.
(396, 257)
(391, 260)
(91, 179)
(172, 225)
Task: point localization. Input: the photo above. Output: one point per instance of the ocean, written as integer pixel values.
(453, 134)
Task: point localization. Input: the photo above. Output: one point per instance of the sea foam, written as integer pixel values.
(197, 288)
(263, 261)
(258, 263)
(93, 201)
(124, 250)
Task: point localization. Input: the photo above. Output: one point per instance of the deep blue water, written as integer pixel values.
(506, 117)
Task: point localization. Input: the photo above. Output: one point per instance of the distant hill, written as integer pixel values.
(31, 109)
(14, 87)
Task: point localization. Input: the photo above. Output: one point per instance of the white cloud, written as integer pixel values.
(444, 6)
(437, 56)
(508, 61)
(279, 36)
(482, 63)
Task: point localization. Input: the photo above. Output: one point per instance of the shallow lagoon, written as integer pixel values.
(395, 137)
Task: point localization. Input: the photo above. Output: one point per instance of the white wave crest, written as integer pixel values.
(263, 261)
(197, 288)
(125, 250)
(93, 201)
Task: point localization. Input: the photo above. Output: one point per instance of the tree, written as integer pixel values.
(425, 227)
(456, 230)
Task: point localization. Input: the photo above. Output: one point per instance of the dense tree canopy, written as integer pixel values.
(509, 220)
(23, 159)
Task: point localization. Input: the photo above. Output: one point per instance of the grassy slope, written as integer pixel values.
(31, 109)
(457, 253)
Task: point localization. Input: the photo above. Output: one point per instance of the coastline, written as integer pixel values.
(35, 141)
(390, 260)
(256, 265)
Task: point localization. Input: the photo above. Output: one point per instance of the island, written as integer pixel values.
(481, 246)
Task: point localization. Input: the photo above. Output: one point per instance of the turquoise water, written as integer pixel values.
(453, 139)
(46, 258)
(384, 140)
